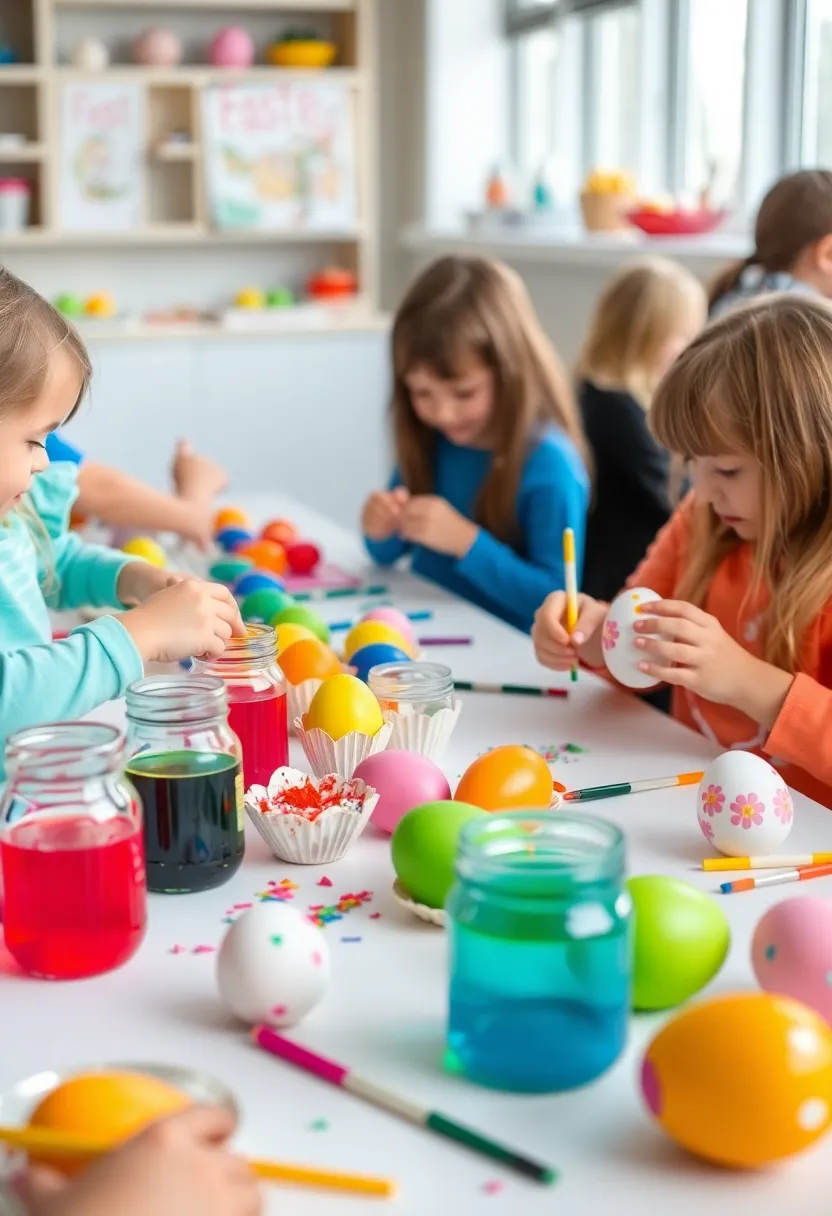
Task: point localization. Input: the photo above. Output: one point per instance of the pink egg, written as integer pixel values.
(394, 617)
(402, 780)
(791, 952)
(233, 47)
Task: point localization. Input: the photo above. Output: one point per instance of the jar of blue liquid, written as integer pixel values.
(539, 925)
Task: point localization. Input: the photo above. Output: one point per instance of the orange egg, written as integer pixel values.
(230, 517)
(281, 531)
(309, 659)
(266, 555)
(507, 779)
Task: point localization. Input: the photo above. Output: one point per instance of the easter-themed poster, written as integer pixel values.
(102, 160)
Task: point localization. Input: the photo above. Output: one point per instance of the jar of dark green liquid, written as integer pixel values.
(186, 764)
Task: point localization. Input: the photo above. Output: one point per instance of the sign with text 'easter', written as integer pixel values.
(102, 156)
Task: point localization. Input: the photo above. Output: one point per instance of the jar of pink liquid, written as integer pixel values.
(257, 710)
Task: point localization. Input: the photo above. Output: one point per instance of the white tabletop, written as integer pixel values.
(384, 1014)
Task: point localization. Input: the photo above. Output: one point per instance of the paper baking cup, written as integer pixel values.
(341, 756)
(296, 839)
(299, 698)
(431, 916)
(426, 734)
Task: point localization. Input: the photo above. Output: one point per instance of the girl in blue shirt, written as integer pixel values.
(490, 455)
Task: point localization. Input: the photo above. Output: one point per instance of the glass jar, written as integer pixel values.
(256, 690)
(412, 688)
(539, 924)
(186, 764)
(71, 852)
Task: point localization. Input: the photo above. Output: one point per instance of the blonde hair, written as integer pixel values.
(759, 382)
(462, 308)
(640, 310)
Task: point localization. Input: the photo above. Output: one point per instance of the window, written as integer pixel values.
(614, 116)
(713, 134)
(817, 96)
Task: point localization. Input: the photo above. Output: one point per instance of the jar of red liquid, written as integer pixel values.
(257, 710)
(71, 852)
(185, 762)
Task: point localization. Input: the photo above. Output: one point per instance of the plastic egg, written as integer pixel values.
(791, 952)
(365, 633)
(618, 638)
(299, 614)
(229, 538)
(402, 781)
(273, 965)
(309, 659)
(681, 941)
(158, 48)
(230, 517)
(90, 55)
(288, 634)
(101, 305)
(395, 617)
(232, 47)
(303, 557)
(424, 847)
(508, 778)
(368, 657)
(744, 806)
(264, 604)
(342, 704)
(266, 555)
(741, 1080)
(279, 530)
(256, 580)
(147, 549)
(229, 569)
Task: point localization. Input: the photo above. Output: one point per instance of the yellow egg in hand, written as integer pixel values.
(366, 633)
(147, 549)
(343, 704)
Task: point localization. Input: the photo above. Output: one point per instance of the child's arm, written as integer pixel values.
(119, 501)
(640, 465)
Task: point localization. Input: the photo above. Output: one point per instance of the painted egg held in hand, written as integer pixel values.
(618, 637)
(791, 952)
(402, 781)
(744, 805)
(510, 778)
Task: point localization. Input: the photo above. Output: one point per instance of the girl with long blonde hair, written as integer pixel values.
(744, 629)
(489, 449)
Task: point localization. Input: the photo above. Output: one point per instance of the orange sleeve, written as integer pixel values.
(802, 734)
(663, 562)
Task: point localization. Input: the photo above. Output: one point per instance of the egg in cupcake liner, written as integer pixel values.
(299, 698)
(426, 734)
(431, 916)
(342, 756)
(309, 821)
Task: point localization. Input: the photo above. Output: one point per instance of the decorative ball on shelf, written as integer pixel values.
(8, 54)
(101, 305)
(233, 47)
(250, 298)
(70, 305)
(158, 48)
(90, 55)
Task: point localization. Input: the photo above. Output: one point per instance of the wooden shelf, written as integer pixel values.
(196, 75)
(175, 234)
(11, 154)
(345, 321)
(291, 6)
(174, 152)
(20, 73)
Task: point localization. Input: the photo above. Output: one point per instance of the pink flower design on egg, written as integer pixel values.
(747, 810)
(609, 638)
(782, 804)
(707, 829)
(713, 800)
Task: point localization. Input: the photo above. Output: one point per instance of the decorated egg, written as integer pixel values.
(394, 617)
(368, 657)
(299, 614)
(288, 634)
(303, 557)
(157, 48)
(402, 781)
(281, 531)
(232, 47)
(256, 580)
(741, 1080)
(424, 847)
(681, 941)
(508, 778)
(266, 555)
(264, 604)
(230, 517)
(229, 569)
(365, 633)
(618, 638)
(147, 549)
(272, 966)
(309, 659)
(791, 952)
(744, 806)
(342, 704)
(229, 539)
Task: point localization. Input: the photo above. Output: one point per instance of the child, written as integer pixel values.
(44, 370)
(744, 630)
(646, 316)
(488, 443)
(792, 244)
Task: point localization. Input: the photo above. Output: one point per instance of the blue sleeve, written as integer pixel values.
(554, 495)
(387, 552)
(59, 450)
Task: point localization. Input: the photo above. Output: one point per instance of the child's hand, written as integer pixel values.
(196, 477)
(192, 618)
(139, 580)
(554, 646)
(179, 1165)
(431, 521)
(382, 513)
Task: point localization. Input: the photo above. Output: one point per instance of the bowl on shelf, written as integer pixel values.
(679, 222)
(302, 53)
(332, 284)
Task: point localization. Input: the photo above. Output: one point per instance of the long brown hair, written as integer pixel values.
(462, 308)
(796, 213)
(759, 381)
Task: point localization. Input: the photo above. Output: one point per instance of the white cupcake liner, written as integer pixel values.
(431, 916)
(426, 734)
(299, 698)
(341, 756)
(298, 840)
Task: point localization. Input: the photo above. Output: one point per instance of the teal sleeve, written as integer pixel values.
(386, 552)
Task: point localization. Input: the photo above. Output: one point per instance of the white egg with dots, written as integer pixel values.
(618, 638)
(744, 805)
(273, 966)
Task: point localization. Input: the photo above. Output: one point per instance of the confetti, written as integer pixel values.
(350, 939)
(325, 882)
(204, 950)
(277, 940)
(493, 1187)
(375, 915)
(240, 907)
(558, 753)
(278, 892)
(319, 1125)
(322, 915)
(178, 950)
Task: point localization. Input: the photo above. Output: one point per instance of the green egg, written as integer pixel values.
(424, 848)
(682, 939)
(297, 614)
(229, 569)
(264, 604)
(70, 305)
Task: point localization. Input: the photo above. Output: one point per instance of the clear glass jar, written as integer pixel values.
(71, 852)
(186, 763)
(539, 924)
(256, 690)
(413, 688)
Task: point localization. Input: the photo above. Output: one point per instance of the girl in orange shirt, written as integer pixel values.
(744, 629)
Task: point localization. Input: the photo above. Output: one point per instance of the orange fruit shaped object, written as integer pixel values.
(281, 531)
(741, 1080)
(510, 778)
(266, 555)
(309, 659)
(230, 517)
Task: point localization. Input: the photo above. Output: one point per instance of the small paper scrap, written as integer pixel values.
(375, 915)
(319, 1125)
(204, 950)
(325, 882)
(350, 939)
(493, 1187)
(178, 950)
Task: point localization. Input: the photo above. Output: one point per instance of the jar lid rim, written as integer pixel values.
(57, 738)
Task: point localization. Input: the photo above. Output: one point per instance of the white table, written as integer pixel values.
(384, 1014)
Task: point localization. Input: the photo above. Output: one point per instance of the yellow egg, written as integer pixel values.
(144, 547)
(250, 298)
(343, 704)
(366, 633)
(289, 633)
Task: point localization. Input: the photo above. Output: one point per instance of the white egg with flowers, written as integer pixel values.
(618, 638)
(744, 805)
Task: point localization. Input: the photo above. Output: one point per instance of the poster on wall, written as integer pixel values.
(102, 156)
(280, 156)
